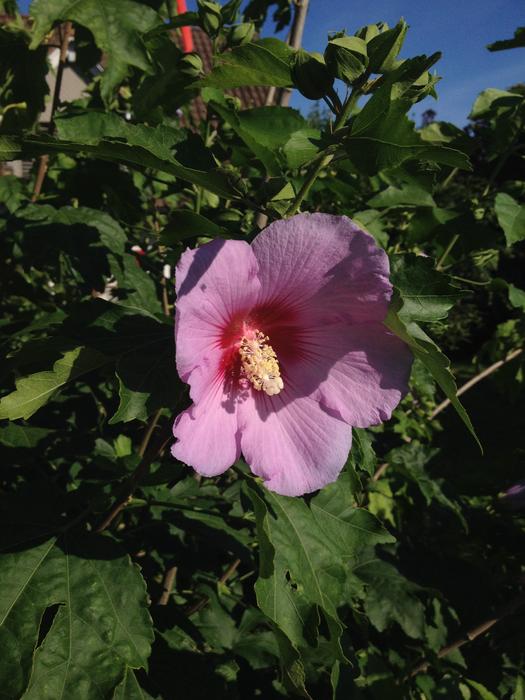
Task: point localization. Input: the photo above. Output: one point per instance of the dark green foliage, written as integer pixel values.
(124, 576)
(23, 80)
(311, 75)
(517, 41)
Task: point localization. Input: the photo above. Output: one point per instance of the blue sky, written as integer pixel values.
(461, 29)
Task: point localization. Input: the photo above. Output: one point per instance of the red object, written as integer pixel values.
(187, 38)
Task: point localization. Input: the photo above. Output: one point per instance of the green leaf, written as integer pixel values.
(34, 391)
(392, 139)
(430, 355)
(427, 222)
(370, 220)
(270, 126)
(118, 28)
(519, 691)
(262, 63)
(426, 293)
(143, 349)
(301, 147)
(397, 85)
(448, 134)
(135, 286)
(492, 100)
(108, 137)
(383, 48)
(294, 677)
(10, 148)
(511, 217)
(346, 57)
(129, 688)
(390, 598)
(516, 297)
(265, 130)
(111, 234)
(306, 556)
(101, 626)
(147, 382)
(406, 195)
(22, 436)
(11, 192)
(78, 596)
(483, 693)
(349, 529)
(517, 41)
(187, 224)
(283, 603)
(69, 229)
(410, 461)
(362, 451)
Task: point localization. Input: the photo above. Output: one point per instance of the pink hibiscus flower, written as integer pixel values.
(284, 349)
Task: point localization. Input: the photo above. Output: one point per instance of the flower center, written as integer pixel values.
(259, 364)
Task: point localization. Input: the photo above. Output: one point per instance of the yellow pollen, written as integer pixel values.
(259, 364)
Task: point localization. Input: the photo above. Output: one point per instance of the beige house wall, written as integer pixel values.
(72, 88)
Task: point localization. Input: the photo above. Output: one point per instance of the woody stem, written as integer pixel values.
(323, 159)
(44, 160)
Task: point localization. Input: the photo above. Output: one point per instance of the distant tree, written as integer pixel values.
(428, 117)
(318, 116)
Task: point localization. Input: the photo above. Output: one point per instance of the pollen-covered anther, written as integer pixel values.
(259, 364)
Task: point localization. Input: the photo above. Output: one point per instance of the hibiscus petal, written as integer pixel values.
(291, 443)
(358, 372)
(213, 283)
(327, 261)
(208, 438)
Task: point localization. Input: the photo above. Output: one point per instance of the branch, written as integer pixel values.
(323, 159)
(468, 385)
(44, 160)
(203, 602)
(296, 38)
(380, 471)
(138, 475)
(473, 633)
(149, 432)
(472, 382)
(169, 580)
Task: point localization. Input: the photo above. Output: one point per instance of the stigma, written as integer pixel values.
(259, 364)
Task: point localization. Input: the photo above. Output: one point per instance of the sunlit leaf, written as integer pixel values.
(261, 63)
(34, 391)
(118, 31)
(511, 217)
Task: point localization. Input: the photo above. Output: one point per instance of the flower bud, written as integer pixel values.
(346, 57)
(230, 10)
(241, 34)
(229, 215)
(422, 87)
(370, 31)
(210, 16)
(310, 75)
(383, 48)
(191, 64)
